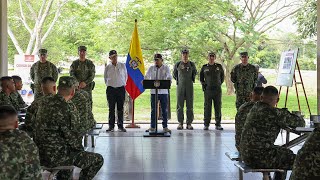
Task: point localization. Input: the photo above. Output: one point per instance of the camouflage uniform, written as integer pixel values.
(7, 100)
(40, 70)
(306, 165)
(31, 114)
(15, 96)
(244, 79)
(84, 72)
(59, 138)
(240, 120)
(259, 133)
(81, 102)
(19, 156)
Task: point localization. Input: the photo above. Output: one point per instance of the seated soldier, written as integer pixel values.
(7, 87)
(48, 86)
(260, 131)
(19, 156)
(81, 102)
(15, 96)
(58, 137)
(306, 165)
(243, 111)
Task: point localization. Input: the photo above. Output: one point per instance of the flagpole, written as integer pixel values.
(132, 125)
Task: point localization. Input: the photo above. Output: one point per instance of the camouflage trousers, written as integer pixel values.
(240, 99)
(238, 130)
(90, 163)
(276, 157)
(306, 166)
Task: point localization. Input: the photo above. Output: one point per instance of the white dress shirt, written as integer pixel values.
(115, 75)
(163, 74)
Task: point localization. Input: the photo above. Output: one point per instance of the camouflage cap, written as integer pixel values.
(211, 54)
(80, 48)
(66, 82)
(157, 56)
(185, 51)
(112, 52)
(244, 54)
(43, 51)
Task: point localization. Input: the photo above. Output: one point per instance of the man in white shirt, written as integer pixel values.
(163, 74)
(115, 77)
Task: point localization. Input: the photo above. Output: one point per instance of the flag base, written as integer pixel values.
(156, 134)
(132, 126)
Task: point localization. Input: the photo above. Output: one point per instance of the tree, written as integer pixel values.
(307, 19)
(34, 21)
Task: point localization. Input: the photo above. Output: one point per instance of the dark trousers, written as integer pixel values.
(163, 98)
(212, 94)
(115, 96)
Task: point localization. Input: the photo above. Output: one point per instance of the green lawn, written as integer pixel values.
(142, 103)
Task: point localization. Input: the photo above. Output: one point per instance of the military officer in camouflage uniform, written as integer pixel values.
(243, 111)
(211, 78)
(7, 88)
(244, 76)
(48, 87)
(306, 165)
(84, 71)
(80, 99)
(184, 73)
(16, 95)
(58, 134)
(41, 69)
(260, 131)
(19, 156)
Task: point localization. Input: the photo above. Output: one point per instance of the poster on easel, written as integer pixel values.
(287, 68)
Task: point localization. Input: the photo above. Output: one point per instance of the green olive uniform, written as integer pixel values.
(211, 78)
(184, 74)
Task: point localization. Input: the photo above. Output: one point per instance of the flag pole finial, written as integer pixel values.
(136, 20)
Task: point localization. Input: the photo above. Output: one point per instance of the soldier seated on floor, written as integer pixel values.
(243, 111)
(19, 156)
(58, 137)
(306, 164)
(260, 132)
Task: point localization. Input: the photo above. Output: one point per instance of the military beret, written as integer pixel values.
(66, 82)
(185, 51)
(157, 56)
(80, 48)
(244, 54)
(43, 51)
(211, 54)
(112, 52)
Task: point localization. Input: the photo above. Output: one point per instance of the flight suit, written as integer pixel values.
(211, 78)
(184, 74)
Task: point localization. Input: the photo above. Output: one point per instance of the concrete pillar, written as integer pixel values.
(3, 39)
(318, 55)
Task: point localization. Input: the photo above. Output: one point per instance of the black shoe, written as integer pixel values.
(189, 127)
(122, 129)
(219, 128)
(206, 128)
(110, 129)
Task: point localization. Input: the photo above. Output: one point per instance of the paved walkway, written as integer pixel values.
(186, 155)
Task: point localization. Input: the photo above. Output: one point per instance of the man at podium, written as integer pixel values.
(163, 74)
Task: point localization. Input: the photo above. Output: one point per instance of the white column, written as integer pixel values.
(318, 55)
(3, 39)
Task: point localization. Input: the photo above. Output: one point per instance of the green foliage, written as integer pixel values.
(307, 19)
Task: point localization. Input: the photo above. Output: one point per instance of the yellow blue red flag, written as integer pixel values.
(135, 66)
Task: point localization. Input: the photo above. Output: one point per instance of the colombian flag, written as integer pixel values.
(135, 66)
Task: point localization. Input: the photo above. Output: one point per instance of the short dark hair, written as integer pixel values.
(258, 90)
(46, 80)
(270, 91)
(7, 111)
(5, 78)
(16, 79)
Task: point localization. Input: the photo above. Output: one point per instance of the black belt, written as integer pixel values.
(115, 87)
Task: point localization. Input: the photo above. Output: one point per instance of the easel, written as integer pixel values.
(295, 84)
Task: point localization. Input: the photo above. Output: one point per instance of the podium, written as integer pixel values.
(156, 84)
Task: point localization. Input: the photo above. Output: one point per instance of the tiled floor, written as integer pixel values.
(186, 155)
